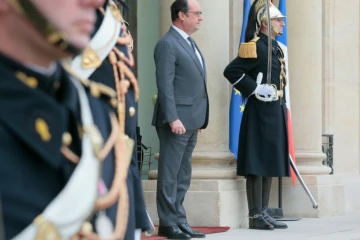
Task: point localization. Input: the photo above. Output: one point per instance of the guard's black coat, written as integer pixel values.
(263, 142)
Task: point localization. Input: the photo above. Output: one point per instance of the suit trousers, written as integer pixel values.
(174, 174)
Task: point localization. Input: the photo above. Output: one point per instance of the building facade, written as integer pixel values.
(324, 58)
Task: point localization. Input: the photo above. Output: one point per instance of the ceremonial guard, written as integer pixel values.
(108, 61)
(50, 146)
(259, 74)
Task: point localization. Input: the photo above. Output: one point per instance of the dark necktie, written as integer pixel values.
(192, 42)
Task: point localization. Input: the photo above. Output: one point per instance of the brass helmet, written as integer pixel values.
(261, 13)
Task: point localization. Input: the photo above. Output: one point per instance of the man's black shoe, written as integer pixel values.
(187, 229)
(172, 232)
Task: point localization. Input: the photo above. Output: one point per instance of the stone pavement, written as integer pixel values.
(332, 228)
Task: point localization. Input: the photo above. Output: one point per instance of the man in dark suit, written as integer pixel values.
(181, 111)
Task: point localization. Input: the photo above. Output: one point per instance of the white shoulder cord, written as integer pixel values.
(100, 45)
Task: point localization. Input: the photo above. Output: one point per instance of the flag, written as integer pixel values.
(238, 102)
(282, 40)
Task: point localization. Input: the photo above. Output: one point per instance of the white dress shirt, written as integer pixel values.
(185, 36)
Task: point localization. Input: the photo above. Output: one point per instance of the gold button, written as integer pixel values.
(86, 228)
(126, 83)
(30, 81)
(42, 129)
(132, 111)
(66, 139)
(114, 102)
(94, 89)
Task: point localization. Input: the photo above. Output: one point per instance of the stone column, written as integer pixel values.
(329, 67)
(211, 158)
(305, 64)
(328, 83)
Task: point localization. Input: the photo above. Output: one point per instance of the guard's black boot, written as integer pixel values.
(257, 221)
(272, 221)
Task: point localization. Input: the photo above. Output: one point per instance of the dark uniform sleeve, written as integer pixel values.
(2, 228)
(239, 68)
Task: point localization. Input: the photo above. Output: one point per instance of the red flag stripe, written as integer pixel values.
(291, 145)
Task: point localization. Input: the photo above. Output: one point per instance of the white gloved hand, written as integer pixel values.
(265, 90)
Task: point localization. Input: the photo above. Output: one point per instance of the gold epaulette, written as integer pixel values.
(248, 49)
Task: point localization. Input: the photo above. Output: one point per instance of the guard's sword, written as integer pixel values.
(269, 65)
(315, 205)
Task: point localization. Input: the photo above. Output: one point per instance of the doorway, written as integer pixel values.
(144, 26)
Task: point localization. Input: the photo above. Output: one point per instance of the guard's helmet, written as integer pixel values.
(261, 12)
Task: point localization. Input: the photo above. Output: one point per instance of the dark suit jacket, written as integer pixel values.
(181, 82)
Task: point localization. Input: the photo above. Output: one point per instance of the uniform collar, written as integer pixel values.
(33, 76)
(36, 118)
(264, 38)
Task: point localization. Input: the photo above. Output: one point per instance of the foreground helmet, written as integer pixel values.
(46, 28)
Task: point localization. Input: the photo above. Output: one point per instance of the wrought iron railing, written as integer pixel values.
(145, 157)
(327, 148)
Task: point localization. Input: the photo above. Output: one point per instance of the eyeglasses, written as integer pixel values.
(198, 13)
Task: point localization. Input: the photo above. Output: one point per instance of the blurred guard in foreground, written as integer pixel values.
(107, 60)
(50, 146)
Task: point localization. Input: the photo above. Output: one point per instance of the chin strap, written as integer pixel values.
(46, 28)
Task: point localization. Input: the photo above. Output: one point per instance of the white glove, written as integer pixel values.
(265, 90)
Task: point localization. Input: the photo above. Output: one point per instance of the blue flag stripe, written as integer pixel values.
(237, 101)
(282, 8)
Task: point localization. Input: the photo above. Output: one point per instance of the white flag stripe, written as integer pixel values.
(287, 93)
